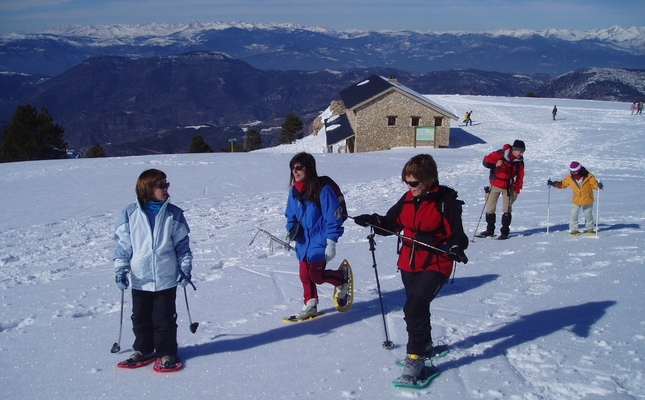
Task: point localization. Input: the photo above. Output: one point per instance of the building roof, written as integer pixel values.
(338, 129)
(361, 92)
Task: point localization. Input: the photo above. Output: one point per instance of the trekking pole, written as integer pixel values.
(273, 238)
(413, 240)
(116, 347)
(597, 212)
(193, 325)
(487, 190)
(387, 344)
(548, 208)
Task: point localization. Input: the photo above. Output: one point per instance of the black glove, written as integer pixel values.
(458, 254)
(487, 189)
(366, 219)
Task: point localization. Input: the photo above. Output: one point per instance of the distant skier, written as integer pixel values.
(467, 118)
(640, 108)
(634, 106)
(582, 182)
(554, 112)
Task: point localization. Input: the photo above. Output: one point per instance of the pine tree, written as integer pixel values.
(32, 136)
(291, 129)
(96, 151)
(198, 145)
(253, 140)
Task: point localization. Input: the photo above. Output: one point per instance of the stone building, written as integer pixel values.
(379, 113)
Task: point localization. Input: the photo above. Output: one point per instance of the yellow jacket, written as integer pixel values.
(583, 194)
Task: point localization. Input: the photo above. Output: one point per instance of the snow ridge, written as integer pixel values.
(627, 38)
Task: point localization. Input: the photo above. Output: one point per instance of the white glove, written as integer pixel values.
(330, 250)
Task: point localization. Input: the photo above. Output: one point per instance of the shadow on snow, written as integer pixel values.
(461, 138)
(565, 227)
(392, 301)
(576, 319)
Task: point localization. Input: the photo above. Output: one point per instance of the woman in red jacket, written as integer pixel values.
(431, 214)
(506, 179)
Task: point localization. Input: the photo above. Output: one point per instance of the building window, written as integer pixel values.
(438, 121)
(414, 121)
(391, 121)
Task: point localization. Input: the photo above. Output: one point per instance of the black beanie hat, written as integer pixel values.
(519, 145)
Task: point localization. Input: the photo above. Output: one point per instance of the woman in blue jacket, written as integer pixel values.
(152, 244)
(315, 222)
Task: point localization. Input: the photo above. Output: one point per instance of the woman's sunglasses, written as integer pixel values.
(298, 167)
(412, 183)
(165, 185)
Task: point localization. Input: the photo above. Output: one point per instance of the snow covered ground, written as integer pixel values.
(539, 316)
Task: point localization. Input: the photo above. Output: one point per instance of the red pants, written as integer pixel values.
(315, 274)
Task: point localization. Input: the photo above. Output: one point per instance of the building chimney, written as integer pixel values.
(392, 79)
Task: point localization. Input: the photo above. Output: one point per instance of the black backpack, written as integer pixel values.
(325, 180)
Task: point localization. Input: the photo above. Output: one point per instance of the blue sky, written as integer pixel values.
(422, 15)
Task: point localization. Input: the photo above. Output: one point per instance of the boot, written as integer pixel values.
(308, 310)
(506, 223)
(169, 361)
(437, 351)
(412, 367)
(490, 225)
(341, 291)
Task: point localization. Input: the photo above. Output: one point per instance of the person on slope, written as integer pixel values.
(431, 214)
(506, 177)
(157, 263)
(315, 223)
(582, 183)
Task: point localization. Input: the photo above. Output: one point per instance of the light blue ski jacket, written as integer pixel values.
(153, 258)
(318, 223)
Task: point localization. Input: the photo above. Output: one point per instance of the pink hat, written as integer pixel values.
(575, 167)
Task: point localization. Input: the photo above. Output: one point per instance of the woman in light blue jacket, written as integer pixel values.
(315, 222)
(152, 244)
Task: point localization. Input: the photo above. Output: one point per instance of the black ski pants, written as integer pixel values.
(154, 321)
(420, 289)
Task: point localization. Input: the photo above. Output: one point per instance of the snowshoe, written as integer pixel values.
(425, 375)
(344, 294)
(137, 360)
(167, 364)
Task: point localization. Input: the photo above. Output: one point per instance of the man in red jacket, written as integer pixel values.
(506, 178)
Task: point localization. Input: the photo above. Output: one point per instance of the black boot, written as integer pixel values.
(506, 223)
(490, 225)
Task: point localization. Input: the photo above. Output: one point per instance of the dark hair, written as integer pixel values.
(309, 162)
(422, 167)
(146, 184)
(583, 172)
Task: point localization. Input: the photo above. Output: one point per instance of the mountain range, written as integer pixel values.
(142, 95)
(285, 46)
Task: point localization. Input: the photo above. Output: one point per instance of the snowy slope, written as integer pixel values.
(539, 316)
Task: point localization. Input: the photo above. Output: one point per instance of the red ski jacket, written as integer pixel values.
(509, 175)
(433, 218)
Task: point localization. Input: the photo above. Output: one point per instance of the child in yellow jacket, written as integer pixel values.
(582, 182)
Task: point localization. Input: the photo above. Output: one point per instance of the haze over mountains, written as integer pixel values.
(144, 89)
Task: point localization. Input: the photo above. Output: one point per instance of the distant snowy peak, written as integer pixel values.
(158, 29)
(615, 33)
(632, 38)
